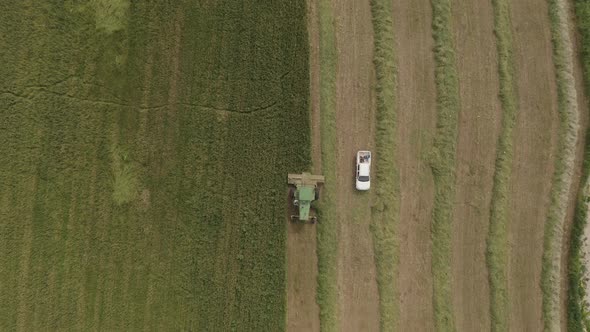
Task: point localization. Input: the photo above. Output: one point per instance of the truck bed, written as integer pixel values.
(363, 157)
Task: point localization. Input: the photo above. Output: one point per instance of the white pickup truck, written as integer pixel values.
(363, 170)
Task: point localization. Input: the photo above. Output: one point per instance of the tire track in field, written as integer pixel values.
(479, 122)
(23, 314)
(7, 261)
(82, 301)
(165, 123)
(535, 137)
(30, 191)
(355, 121)
(416, 122)
(78, 222)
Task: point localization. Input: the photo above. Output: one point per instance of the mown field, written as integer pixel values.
(479, 141)
(143, 149)
(509, 217)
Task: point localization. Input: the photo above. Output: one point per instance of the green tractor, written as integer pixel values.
(304, 190)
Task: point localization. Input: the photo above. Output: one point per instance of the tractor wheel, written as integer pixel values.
(291, 193)
(317, 193)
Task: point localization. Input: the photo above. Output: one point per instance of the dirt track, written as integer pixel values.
(355, 120)
(534, 151)
(416, 108)
(358, 301)
(302, 270)
(479, 124)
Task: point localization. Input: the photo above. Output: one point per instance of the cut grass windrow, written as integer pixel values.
(578, 313)
(386, 209)
(327, 228)
(567, 109)
(578, 319)
(443, 162)
(497, 242)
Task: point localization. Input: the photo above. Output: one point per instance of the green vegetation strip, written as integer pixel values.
(327, 227)
(497, 242)
(443, 162)
(578, 310)
(386, 209)
(137, 190)
(567, 108)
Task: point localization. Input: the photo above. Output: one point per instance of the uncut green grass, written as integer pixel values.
(442, 162)
(385, 211)
(578, 312)
(136, 191)
(497, 242)
(327, 227)
(567, 108)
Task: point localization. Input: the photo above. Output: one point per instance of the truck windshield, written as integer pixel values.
(363, 178)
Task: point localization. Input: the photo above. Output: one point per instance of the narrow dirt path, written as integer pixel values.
(303, 313)
(416, 118)
(534, 151)
(355, 121)
(302, 269)
(479, 124)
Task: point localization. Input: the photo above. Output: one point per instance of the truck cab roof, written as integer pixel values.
(364, 169)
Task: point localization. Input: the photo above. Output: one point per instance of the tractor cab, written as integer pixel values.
(304, 190)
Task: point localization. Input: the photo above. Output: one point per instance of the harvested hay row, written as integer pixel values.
(442, 162)
(578, 319)
(564, 163)
(578, 313)
(497, 242)
(386, 209)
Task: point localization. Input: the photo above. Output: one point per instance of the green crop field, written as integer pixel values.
(143, 153)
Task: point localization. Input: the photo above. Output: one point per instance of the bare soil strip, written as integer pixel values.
(535, 139)
(302, 261)
(479, 122)
(355, 121)
(302, 268)
(416, 120)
